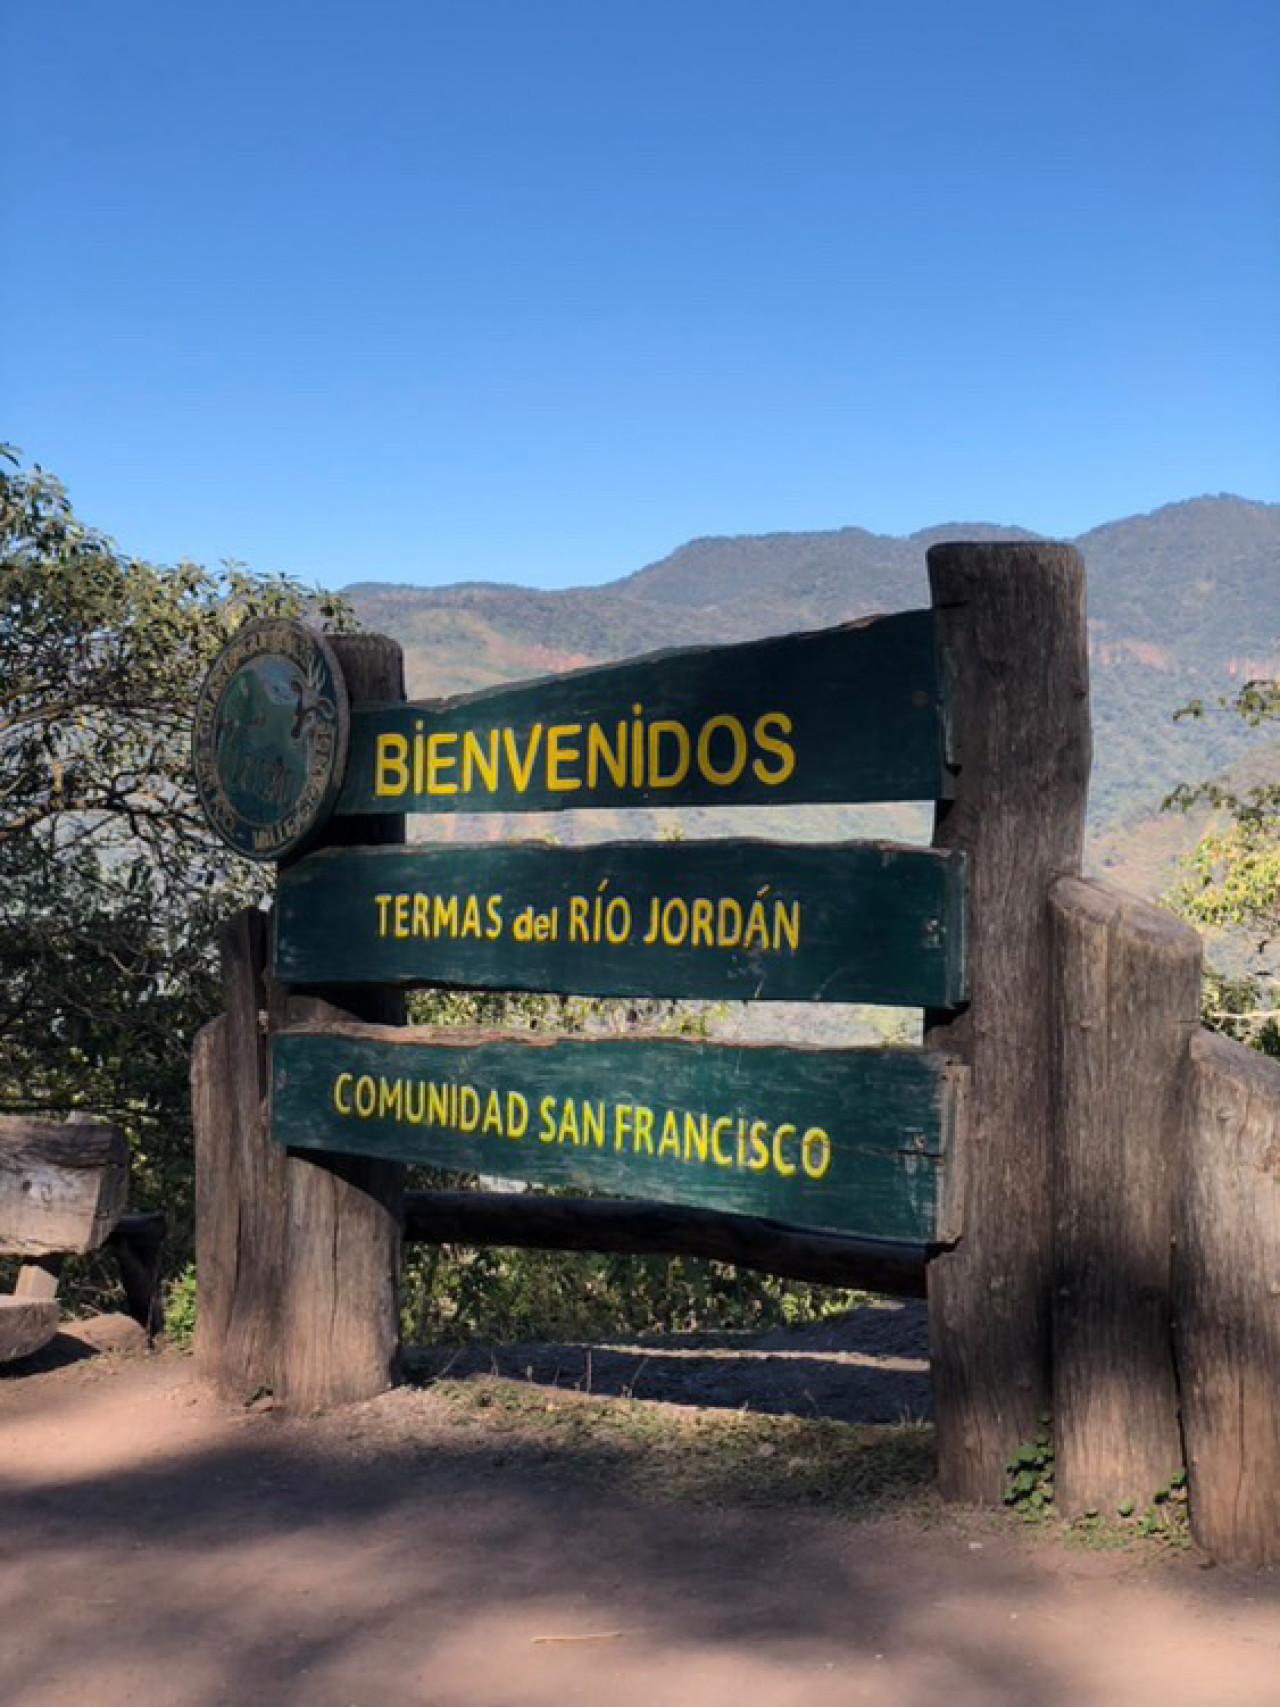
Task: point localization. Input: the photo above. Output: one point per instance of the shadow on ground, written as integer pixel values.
(162, 1546)
(869, 1365)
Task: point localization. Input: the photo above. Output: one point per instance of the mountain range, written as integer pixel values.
(1183, 604)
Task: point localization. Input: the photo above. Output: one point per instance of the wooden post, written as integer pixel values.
(216, 1194)
(1127, 977)
(1227, 1299)
(1015, 661)
(240, 1176)
(340, 1298)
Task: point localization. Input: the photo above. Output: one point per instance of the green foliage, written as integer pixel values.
(1029, 1489)
(524, 1010)
(181, 1301)
(1232, 878)
(111, 886)
(1231, 882)
(454, 1294)
(1162, 1519)
(1242, 1008)
(1029, 1492)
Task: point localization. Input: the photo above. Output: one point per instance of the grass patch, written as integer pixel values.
(699, 1457)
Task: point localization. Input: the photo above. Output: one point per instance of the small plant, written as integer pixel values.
(1029, 1490)
(1165, 1519)
(181, 1301)
(1162, 1520)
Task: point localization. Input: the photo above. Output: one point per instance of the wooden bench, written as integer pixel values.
(63, 1187)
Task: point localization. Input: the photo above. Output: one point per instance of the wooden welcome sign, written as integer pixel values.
(982, 1170)
(1068, 1167)
(842, 1140)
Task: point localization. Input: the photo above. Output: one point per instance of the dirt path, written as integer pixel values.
(160, 1547)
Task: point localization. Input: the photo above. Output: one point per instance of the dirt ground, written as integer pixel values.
(497, 1543)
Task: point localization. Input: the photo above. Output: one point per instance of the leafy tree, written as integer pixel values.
(111, 885)
(1231, 882)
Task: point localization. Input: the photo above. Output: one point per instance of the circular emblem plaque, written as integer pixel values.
(270, 738)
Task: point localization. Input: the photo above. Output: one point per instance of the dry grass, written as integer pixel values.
(675, 1452)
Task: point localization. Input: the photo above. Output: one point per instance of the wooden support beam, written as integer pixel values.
(241, 1197)
(1015, 666)
(651, 1229)
(1127, 981)
(340, 1284)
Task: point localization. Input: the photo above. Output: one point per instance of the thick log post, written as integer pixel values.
(340, 1339)
(240, 1176)
(1226, 1278)
(216, 1188)
(1015, 661)
(1127, 977)
(340, 1302)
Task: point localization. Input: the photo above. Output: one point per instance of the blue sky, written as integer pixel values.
(536, 290)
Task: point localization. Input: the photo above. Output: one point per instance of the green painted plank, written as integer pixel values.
(848, 1140)
(841, 715)
(739, 920)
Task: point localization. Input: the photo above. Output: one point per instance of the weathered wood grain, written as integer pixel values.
(340, 1288)
(850, 1140)
(241, 1197)
(216, 1192)
(340, 1332)
(1015, 673)
(1127, 980)
(532, 1222)
(848, 714)
(26, 1324)
(1227, 1299)
(63, 1185)
(727, 920)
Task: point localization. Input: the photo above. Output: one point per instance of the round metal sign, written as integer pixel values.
(270, 738)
